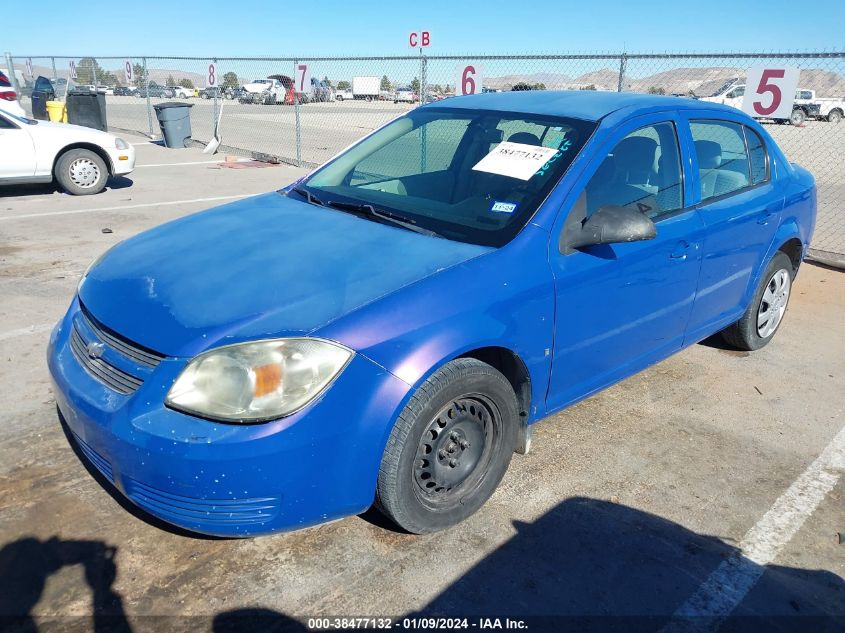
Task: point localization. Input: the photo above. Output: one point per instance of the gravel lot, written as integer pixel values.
(628, 504)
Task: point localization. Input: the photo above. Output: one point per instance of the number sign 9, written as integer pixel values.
(770, 92)
(211, 76)
(469, 80)
(127, 71)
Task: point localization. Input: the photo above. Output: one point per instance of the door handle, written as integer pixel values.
(680, 250)
(765, 217)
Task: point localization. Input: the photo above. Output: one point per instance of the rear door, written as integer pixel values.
(740, 204)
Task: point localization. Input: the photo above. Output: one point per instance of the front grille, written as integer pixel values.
(142, 356)
(107, 374)
(191, 510)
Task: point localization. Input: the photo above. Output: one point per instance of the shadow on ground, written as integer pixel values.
(50, 188)
(586, 565)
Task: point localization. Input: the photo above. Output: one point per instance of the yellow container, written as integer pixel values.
(57, 111)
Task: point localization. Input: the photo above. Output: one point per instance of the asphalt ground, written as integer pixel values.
(710, 484)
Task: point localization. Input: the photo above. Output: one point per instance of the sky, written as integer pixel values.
(364, 27)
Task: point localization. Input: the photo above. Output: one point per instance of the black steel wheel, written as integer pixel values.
(450, 447)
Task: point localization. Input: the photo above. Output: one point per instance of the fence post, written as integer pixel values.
(215, 112)
(10, 64)
(623, 63)
(423, 129)
(55, 74)
(296, 115)
(147, 92)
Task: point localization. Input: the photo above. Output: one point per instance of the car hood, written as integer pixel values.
(257, 87)
(75, 132)
(261, 267)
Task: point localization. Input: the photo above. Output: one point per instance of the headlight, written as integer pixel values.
(119, 143)
(257, 381)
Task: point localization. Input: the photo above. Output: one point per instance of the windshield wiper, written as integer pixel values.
(312, 199)
(368, 210)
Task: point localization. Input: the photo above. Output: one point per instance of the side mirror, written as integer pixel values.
(612, 225)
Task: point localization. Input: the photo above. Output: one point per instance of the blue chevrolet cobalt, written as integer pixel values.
(385, 331)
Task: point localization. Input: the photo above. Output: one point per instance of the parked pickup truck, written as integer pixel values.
(733, 92)
(829, 108)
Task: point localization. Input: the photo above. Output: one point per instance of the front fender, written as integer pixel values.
(503, 299)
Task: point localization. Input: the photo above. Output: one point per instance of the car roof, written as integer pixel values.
(589, 105)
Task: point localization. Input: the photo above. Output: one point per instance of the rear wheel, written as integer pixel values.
(765, 313)
(835, 116)
(449, 448)
(81, 172)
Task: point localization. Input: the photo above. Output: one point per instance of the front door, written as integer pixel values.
(17, 160)
(621, 307)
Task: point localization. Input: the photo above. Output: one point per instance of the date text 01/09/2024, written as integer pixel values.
(414, 624)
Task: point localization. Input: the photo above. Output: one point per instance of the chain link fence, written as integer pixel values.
(341, 99)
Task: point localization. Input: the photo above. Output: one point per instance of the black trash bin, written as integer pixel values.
(42, 92)
(87, 108)
(175, 121)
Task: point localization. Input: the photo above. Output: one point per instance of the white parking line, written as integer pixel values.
(198, 162)
(32, 329)
(126, 207)
(726, 587)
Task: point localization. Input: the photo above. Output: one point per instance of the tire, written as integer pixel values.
(753, 330)
(797, 117)
(81, 172)
(339, 98)
(449, 449)
(834, 116)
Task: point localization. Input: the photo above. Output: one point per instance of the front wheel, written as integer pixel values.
(798, 117)
(765, 313)
(81, 172)
(450, 447)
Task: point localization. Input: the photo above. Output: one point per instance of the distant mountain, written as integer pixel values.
(701, 82)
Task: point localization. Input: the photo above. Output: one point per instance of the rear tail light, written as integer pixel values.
(8, 95)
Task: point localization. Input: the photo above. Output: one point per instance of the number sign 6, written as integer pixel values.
(469, 80)
(770, 92)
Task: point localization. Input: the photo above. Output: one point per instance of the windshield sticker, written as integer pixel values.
(515, 160)
(503, 207)
(564, 146)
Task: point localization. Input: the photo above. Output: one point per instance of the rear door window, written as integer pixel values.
(723, 165)
(758, 156)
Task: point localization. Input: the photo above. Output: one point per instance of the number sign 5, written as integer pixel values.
(770, 92)
(469, 80)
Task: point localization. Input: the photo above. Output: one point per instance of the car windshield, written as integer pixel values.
(474, 176)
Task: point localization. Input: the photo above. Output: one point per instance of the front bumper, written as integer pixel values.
(122, 160)
(314, 466)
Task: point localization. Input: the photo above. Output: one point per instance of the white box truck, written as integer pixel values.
(366, 88)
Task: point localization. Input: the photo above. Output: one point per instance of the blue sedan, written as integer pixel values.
(385, 330)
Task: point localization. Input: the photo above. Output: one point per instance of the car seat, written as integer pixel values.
(715, 179)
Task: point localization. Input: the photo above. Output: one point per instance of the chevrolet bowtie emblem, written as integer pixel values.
(95, 350)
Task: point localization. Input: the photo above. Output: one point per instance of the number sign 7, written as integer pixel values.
(301, 77)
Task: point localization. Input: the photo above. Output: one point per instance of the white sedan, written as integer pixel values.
(79, 158)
